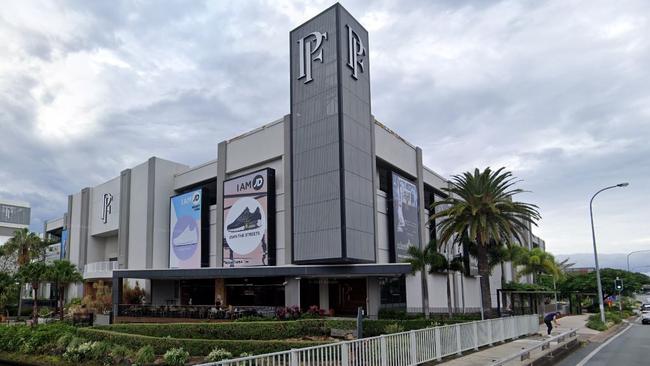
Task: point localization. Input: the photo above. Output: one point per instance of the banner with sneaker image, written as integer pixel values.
(185, 230)
(248, 219)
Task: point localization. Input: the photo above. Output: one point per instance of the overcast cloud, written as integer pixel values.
(556, 91)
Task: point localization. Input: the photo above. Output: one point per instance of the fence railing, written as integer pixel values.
(399, 349)
(100, 269)
(526, 354)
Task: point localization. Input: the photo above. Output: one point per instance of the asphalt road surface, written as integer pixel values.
(630, 347)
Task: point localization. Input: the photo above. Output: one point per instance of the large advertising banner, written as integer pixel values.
(249, 225)
(406, 220)
(185, 230)
(64, 242)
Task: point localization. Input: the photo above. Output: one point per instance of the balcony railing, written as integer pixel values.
(100, 269)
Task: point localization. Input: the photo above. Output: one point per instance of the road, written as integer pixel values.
(629, 348)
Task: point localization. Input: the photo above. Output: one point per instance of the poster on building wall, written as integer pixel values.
(406, 220)
(64, 241)
(248, 224)
(185, 230)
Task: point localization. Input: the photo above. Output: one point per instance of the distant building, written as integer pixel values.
(13, 216)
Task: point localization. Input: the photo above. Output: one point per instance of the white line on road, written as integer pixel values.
(593, 353)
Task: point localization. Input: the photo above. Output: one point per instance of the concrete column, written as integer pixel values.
(117, 293)
(222, 151)
(323, 293)
(151, 196)
(67, 222)
(292, 291)
(373, 302)
(420, 185)
(125, 208)
(84, 229)
(375, 182)
(288, 192)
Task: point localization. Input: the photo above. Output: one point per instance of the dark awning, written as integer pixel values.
(342, 270)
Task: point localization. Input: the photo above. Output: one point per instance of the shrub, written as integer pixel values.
(145, 355)
(78, 353)
(63, 342)
(196, 347)
(393, 328)
(32, 339)
(120, 354)
(596, 324)
(100, 351)
(176, 357)
(44, 312)
(218, 354)
(246, 354)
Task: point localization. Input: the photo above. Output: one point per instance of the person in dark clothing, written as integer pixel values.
(551, 317)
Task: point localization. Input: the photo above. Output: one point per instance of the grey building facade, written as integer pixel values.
(316, 208)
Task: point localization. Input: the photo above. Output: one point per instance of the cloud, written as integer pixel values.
(555, 90)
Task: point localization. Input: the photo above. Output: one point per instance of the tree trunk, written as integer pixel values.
(484, 271)
(425, 294)
(20, 300)
(448, 296)
(61, 299)
(35, 306)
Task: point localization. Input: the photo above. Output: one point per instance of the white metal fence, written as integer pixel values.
(399, 349)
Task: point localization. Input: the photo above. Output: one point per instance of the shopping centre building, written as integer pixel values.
(315, 208)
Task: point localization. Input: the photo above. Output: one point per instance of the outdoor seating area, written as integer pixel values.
(207, 312)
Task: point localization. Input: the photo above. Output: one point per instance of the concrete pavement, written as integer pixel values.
(489, 355)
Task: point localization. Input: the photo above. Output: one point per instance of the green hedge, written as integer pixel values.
(196, 347)
(267, 330)
(234, 331)
(32, 339)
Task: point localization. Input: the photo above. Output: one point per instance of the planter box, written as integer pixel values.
(102, 319)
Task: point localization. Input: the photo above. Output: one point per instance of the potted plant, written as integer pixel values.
(45, 315)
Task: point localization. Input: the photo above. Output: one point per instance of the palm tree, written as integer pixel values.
(26, 245)
(481, 204)
(23, 247)
(419, 258)
(62, 273)
(538, 262)
(33, 273)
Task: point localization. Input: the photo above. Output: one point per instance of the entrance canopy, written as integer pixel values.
(343, 270)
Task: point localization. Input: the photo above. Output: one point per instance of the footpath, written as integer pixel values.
(492, 355)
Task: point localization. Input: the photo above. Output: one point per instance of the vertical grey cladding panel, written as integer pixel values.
(331, 139)
(357, 140)
(315, 141)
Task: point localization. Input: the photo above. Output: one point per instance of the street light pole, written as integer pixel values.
(593, 236)
(630, 253)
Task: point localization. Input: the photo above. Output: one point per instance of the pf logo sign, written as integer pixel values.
(355, 52)
(106, 206)
(310, 51)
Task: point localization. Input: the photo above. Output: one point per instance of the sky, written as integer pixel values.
(558, 92)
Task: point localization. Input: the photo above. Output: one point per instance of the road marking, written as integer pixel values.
(593, 353)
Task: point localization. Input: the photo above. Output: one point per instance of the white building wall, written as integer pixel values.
(392, 149)
(383, 250)
(163, 189)
(138, 218)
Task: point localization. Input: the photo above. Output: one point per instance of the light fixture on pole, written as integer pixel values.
(630, 253)
(593, 236)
